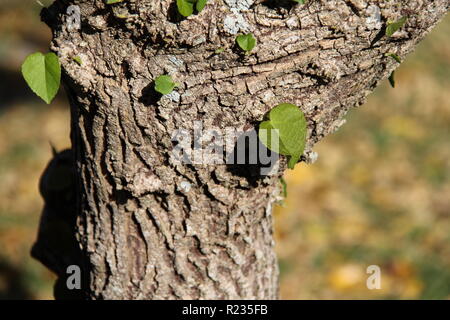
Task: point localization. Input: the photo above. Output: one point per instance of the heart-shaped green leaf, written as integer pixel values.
(186, 7)
(394, 26)
(246, 42)
(42, 74)
(164, 84)
(286, 124)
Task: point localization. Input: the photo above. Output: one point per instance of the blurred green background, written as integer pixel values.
(379, 193)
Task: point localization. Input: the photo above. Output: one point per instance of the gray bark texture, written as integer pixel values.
(143, 234)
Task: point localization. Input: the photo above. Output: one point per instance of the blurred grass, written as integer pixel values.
(378, 195)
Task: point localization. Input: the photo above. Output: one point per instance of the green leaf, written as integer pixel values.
(200, 5)
(42, 74)
(246, 42)
(286, 124)
(395, 57)
(394, 26)
(300, 1)
(186, 7)
(113, 1)
(164, 84)
(392, 79)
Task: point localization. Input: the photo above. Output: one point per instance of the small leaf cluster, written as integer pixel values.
(285, 123)
(187, 7)
(391, 28)
(246, 42)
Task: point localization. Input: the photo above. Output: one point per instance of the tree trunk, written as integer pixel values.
(152, 228)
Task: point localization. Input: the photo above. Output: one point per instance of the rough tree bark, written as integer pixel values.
(149, 228)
